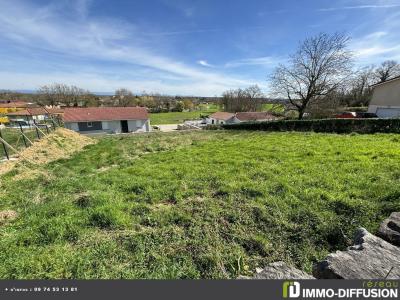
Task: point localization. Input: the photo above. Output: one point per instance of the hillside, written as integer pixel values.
(196, 205)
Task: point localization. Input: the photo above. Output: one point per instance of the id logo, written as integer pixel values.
(291, 289)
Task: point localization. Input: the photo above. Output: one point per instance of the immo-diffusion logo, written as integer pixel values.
(291, 289)
(370, 289)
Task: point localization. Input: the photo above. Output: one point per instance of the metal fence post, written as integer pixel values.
(37, 131)
(54, 124)
(4, 146)
(23, 135)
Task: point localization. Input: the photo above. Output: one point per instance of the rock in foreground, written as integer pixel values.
(370, 258)
(280, 270)
(390, 229)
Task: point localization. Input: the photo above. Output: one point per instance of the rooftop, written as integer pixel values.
(387, 81)
(254, 116)
(90, 114)
(34, 111)
(221, 115)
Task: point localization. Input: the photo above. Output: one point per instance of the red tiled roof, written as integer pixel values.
(19, 113)
(19, 104)
(90, 114)
(255, 116)
(221, 115)
(34, 111)
(55, 110)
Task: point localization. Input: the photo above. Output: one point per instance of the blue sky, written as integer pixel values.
(198, 47)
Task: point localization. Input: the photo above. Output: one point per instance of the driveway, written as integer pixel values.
(168, 127)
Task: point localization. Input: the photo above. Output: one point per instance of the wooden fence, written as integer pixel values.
(14, 139)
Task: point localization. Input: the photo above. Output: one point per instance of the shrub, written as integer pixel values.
(324, 125)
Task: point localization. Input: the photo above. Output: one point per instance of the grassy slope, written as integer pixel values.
(13, 137)
(197, 205)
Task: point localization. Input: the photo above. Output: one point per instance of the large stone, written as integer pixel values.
(390, 229)
(279, 270)
(370, 258)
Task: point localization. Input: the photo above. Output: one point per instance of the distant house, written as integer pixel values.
(29, 115)
(254, 116)
(385, 102)
(220, 118)
(232, 118)
(107, 119)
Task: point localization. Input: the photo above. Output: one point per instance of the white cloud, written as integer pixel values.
(204, 63)
(97, 82)
(258, 61)
(181, 32)
(110, 40)
(376, 47)
(383, 6)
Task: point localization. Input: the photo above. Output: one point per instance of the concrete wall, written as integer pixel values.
(209, 121)
(112, 126)
(385, 100)
(387, 94)
(115, 126)
(72, 126)
(139, 126)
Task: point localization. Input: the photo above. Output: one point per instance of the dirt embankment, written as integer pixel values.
(56, 145)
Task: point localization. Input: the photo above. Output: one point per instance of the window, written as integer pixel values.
(89, 124)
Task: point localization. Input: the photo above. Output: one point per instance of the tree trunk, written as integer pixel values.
(301, 114)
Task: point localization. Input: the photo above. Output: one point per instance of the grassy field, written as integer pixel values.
(197, 204)
(180, 117)
(177, 117)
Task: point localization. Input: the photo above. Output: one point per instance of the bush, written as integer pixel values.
(325, 125)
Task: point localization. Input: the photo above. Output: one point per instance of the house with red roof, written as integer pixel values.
(221, 117)
(107, 119)
(232, 118)
(28, 115)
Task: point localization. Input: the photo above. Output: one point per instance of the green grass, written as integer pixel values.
(276, 108)
(197, 204)
(180, 117)
(14, 138)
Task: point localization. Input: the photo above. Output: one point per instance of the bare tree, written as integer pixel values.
(124, 97)
(360, 92)
(238, 100)
(387, 70)
(60, 94)
(10, 95)
(316, 70)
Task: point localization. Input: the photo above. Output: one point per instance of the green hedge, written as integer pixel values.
(324, 125)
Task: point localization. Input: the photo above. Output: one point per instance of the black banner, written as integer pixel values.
(199, 289)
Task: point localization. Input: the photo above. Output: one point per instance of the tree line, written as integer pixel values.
(318, 78)
(59, 94)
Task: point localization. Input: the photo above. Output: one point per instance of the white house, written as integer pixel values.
(254, 117)
(385, 102)
(107, 119)
(29, 115)
(220, 118)
(232, 118)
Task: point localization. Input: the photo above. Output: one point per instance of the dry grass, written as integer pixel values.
(59, 144)
(7, 215)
